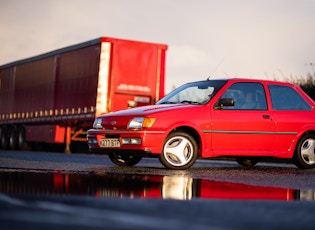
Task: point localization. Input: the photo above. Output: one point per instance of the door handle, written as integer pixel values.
(266, 116)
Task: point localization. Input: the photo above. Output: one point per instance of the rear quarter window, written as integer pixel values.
(286, 98)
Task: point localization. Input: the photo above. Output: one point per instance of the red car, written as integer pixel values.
(241, 118)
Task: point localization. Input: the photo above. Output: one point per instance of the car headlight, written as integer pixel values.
(97, 123)
(141, 122)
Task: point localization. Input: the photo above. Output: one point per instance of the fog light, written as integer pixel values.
(135, 141)
(92, 140)
(131, 141)
(125, 141)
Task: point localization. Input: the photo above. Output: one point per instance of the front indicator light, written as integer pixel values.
(148, 122)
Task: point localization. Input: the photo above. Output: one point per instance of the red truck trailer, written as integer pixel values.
(54, 97)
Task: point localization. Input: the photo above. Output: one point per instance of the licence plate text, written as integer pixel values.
(110, 143)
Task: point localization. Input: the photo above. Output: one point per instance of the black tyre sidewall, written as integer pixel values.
(13, 138)
(165, 162)
(4, 139)
(21, 138)
(297, 158)
(123, 161)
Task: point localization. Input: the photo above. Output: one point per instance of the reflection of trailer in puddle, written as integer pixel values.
(110, 185)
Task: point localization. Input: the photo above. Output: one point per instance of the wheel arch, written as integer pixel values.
(303, 156)
(297, 139)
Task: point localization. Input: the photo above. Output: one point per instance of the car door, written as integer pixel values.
(247, 127)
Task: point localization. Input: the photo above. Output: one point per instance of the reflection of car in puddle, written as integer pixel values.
(185, 188)
(140, 186)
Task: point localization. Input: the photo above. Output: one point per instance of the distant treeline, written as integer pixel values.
(307, 84)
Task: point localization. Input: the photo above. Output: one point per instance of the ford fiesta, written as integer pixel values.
(244, 119)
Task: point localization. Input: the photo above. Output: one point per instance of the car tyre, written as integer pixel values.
(124, 159)
(247, 161)
(180, 151)
(304, 156)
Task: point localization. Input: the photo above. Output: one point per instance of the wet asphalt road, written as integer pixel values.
(222, 194)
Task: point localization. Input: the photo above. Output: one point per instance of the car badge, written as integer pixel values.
(113, 122)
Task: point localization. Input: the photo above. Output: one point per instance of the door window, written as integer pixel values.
(246, 96)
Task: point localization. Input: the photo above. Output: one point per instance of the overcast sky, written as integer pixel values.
(222, 38)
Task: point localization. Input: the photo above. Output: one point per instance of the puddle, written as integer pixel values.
(108, 185)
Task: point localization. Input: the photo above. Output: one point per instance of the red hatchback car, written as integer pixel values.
(244, 119)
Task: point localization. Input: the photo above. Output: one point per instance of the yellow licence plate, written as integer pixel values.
(110, 143)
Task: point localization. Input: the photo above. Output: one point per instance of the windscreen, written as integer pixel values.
(194, 93)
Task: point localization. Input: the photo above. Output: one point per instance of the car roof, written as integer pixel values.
(255, 80)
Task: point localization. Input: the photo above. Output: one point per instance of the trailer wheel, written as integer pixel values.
(124, 159)
(4, 140)
(13, 138)
(21, 139)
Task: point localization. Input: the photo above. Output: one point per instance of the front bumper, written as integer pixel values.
(151, 142)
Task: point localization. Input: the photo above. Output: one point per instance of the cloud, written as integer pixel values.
(226, 38)
(181, 56)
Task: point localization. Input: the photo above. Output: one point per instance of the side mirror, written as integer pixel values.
(224, 102)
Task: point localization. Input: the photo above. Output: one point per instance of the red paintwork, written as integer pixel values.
(249, 133)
